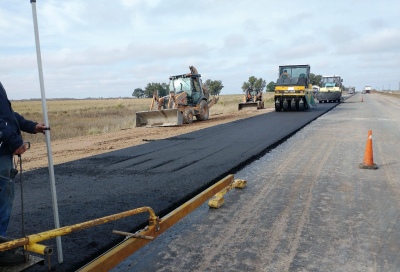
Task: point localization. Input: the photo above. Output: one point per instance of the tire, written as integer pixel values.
(302, 106)
(285, 105)
(296, 104)
(188, 115)
(204, 111)
(278, 104)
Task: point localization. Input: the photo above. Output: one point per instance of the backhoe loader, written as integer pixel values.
(188, 98)
(252, 99)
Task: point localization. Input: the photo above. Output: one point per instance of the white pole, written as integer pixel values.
(47, 132)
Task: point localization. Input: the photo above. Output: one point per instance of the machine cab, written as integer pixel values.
(331, 81)
(190, 84)
(298, 75)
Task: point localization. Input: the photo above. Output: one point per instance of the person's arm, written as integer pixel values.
(9, 138)
(26, 125)
(20, 150)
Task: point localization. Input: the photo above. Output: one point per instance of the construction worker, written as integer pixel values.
(11, 143)
(285, 75)
(193, 70)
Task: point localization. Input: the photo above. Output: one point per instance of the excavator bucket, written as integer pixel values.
(159, 118)
(248, 105)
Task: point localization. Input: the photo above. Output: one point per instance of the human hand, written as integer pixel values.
(20, 150)
(40, 128)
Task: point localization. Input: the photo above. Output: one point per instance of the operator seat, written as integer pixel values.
(302, 80)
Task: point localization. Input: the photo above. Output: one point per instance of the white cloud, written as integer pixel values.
(91, 47)
(234, 41)
(383, 41)
(58, 17)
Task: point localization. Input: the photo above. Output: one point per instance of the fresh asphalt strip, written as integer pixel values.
(162, 174)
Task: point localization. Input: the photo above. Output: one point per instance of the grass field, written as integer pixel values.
(74, 118)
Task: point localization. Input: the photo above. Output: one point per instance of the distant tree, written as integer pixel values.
(151, 88)
(315, 79)
(165, 88)
(214, 86)
(138, 92)
(271, 87)
(256, 84)
(318, 79)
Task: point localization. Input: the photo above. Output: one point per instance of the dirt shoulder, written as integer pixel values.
(81, 147)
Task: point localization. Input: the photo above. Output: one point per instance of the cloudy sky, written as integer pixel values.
(108, 48)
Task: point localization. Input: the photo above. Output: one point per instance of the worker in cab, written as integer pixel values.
(285, 75)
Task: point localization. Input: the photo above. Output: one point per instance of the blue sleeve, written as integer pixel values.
(8, 137)
(25, 125)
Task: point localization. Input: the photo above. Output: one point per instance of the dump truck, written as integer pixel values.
(252, 99)
(367, 89)
(188, 98)
(331, 89)
(293, 91)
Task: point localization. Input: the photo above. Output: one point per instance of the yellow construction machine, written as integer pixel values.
(188, 97)
(331, 89)
(293, 91)
(252, 99)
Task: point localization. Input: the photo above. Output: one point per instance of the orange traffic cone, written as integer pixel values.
(368, 156)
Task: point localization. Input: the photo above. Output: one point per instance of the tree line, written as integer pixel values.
(215, 86)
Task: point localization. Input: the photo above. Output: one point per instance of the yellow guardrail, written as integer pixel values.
(133, 241)
(30, 242)
(129, 246)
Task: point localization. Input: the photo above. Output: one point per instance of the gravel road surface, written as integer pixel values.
(307, 206)
(161, 174)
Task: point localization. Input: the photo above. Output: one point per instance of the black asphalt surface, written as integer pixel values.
(162, 174)
(307, 205)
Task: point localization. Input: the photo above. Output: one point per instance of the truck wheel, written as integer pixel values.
(203, 111)
(188, 115)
